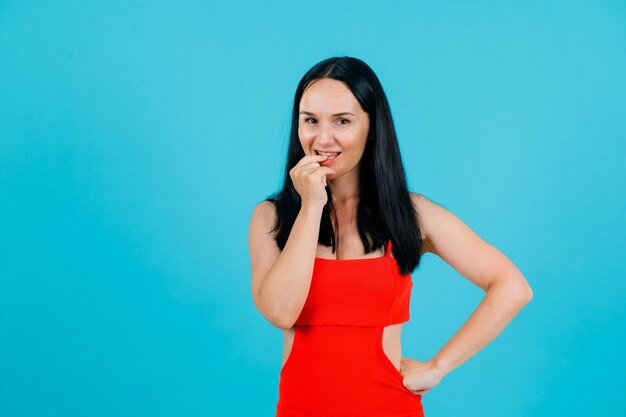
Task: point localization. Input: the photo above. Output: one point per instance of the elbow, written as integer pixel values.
(281, 321)
(278, 319)
(279, 310)
(523, 292)
(528, 293)
(524, 289)
(518, 289)
(275, 314)
(284, 314)
(284, 325)
(282, 317)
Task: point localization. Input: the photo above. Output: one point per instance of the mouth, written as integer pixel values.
(330, 155)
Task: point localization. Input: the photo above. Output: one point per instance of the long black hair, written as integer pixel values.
(385, 209)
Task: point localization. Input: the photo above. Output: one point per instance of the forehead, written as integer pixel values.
(328, 96)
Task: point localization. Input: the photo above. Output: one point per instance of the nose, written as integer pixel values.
(325, 136)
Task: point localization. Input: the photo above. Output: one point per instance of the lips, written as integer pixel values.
(329, 154)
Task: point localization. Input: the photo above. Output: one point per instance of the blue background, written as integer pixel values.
(137, 136)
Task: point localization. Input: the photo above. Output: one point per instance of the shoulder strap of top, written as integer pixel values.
(388, 248)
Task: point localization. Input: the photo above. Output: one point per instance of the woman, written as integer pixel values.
(332, 255)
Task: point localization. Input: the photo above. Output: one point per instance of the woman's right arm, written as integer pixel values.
(281, 280)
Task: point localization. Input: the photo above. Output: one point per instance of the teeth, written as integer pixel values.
(331, 155)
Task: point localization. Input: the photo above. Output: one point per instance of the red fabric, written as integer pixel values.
(337, 366)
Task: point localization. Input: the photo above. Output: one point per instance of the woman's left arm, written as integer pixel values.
(507, 291)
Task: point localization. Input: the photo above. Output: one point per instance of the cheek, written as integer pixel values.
(305, 139)
(354, 143)
(306, 136)
(302, 133)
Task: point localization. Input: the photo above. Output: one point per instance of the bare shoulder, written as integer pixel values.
(433, 215)
(264, 212)
(262, 222)
(263, 248)
(448, 237)
(425, 213)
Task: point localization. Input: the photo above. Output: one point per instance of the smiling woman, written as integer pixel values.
(332, 255)
(332, 123)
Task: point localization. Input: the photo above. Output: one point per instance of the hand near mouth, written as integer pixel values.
(309, 179)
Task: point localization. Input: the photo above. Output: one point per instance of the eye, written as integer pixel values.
(308, 118)
(343, 120)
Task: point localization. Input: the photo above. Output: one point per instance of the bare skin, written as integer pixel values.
(281, 279)
(321, 128)
(353, 249)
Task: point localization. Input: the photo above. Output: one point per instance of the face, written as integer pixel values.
(332, 120)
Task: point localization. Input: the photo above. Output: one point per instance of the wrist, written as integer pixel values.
(312, 208)
(440, 366)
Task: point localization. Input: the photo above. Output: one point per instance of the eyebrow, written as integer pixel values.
(336, 114)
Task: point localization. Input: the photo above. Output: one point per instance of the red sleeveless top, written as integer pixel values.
(357, 292)
(337, 366)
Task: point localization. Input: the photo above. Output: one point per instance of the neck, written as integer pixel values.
(345, 189)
